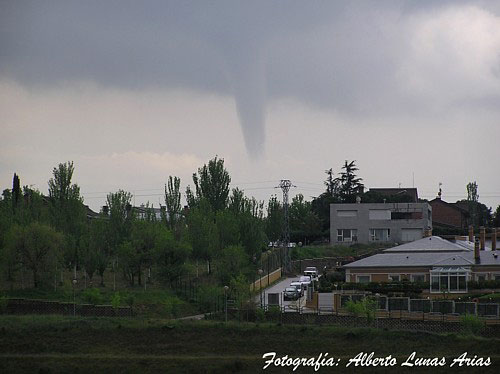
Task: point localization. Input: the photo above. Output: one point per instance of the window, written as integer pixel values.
(449, 279)
(480, 277)
(418, 278)
(497, 277)
(435, 283)
(363, 279)
(347, 213)
(347, 235)
(394, 277)
(380, 235)
(406, 215)
(453, 282)
(379, 214)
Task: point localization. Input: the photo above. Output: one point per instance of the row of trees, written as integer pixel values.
(220, 227)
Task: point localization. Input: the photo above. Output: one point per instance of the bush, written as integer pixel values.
(491, 284)
(172, 306)
(355, 308)
(366, 307)
(274, 313)
(207, 297)
(260, 315)
(92, 296)
(472, 324)
(129, 299)
(115, 300)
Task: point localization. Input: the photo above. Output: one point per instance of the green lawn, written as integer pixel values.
(154, 302)
(53, 344)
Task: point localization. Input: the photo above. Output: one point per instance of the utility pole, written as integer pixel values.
(285, 186)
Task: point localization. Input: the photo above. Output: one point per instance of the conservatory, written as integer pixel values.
(449, 279)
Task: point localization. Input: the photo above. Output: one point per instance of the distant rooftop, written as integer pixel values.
(393, 192)
(426, 259)
(430, 251)
(431, 244)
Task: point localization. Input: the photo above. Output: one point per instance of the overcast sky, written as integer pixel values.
(135, 91)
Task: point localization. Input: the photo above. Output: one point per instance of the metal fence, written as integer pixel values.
(395, 304)
(26, 306)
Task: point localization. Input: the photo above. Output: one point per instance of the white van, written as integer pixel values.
(312, 272)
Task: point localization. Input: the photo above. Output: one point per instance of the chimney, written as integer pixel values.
(477, 258)
(482, 235)
(427, 232)
(105, 210)
(494, 239)
(471, 233)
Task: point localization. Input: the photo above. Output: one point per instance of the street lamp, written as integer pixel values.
(225, 300)
(74, 304)
(260, 287)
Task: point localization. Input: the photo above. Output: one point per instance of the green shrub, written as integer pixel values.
(274, 313)
(207, 297)
(366, 307)
(172, 306)
(355, 308)
(472, 324)
(260, 315)
(129, 299)
(92, 296)
(115, 300)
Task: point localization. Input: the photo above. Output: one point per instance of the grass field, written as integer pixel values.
(54, 344)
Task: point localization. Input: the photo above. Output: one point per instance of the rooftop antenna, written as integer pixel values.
(440, 191)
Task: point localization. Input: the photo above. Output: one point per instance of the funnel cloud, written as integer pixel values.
(358, 59)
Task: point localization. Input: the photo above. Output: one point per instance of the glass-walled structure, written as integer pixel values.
(450, 279)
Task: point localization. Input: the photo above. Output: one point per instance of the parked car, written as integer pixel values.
(299, 286)
(305, 280)
(291, 293)
(312, 272)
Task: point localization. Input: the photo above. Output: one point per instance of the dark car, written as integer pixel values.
(291, 293)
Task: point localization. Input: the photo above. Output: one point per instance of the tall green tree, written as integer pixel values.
(38, 248)
(230, 263)
(349, 183)
(212, 183)
(496, 217)
(67, 209)
(228, 230)
(331, 183)
(304, 224)
(136, 254)
(120, 217)
(170, 255)
(95, 248)
(173, 201)
(274, 219)
(16, 191)
(202, 232)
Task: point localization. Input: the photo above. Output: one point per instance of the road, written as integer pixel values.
(279, 288)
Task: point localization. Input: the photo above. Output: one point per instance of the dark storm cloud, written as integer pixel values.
(336, 55)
